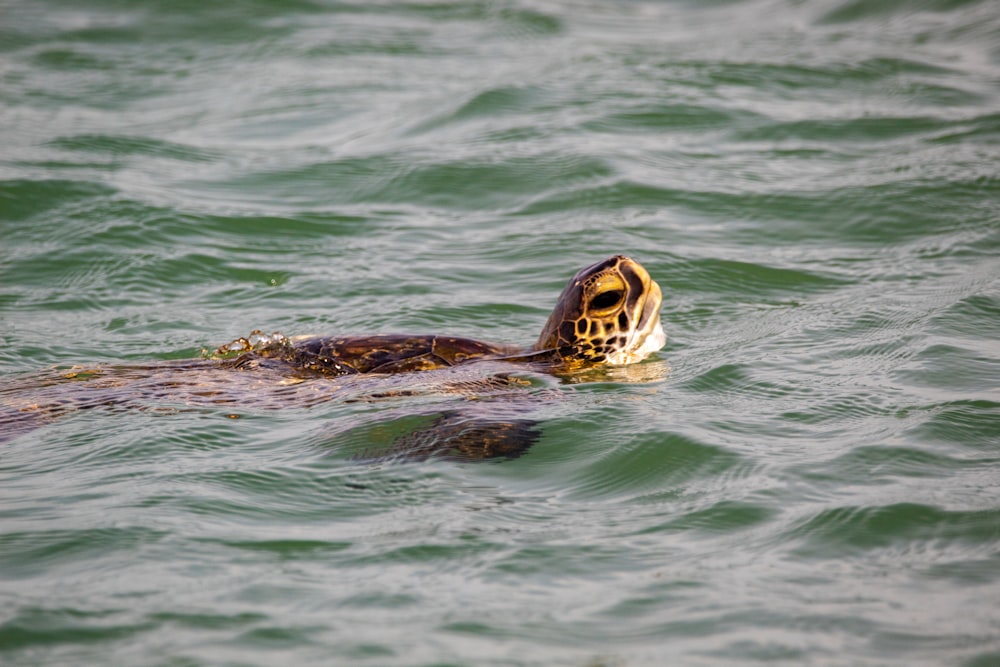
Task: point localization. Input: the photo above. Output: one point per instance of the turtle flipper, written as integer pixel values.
(459, 435)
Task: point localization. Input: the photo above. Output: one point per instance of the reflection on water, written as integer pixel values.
(646, 372)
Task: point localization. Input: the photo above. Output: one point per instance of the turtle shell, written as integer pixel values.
(391, 353)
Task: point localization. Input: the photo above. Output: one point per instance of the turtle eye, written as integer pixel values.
(607, 300)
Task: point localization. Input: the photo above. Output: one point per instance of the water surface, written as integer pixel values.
(813, 184)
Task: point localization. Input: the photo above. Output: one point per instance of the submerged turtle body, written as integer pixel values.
(608, 313)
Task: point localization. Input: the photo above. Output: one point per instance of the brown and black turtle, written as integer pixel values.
(608, 314)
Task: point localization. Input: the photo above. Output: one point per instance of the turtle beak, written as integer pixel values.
(646, 336)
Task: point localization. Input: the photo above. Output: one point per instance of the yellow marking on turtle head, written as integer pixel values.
(608, 313)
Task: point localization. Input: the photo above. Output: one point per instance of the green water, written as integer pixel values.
(814, 184)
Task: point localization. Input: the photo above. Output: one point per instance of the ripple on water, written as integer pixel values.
(122, 147)
(874, 464)
(959, 425)
(724, 517)
(29, 198)
(41, 628)
(647, 467)
(836, 532)
(31, 554)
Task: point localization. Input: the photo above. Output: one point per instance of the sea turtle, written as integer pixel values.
(608, 314)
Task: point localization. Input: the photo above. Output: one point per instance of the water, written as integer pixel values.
(814, 184)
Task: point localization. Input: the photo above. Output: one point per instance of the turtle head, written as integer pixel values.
(608, 313)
